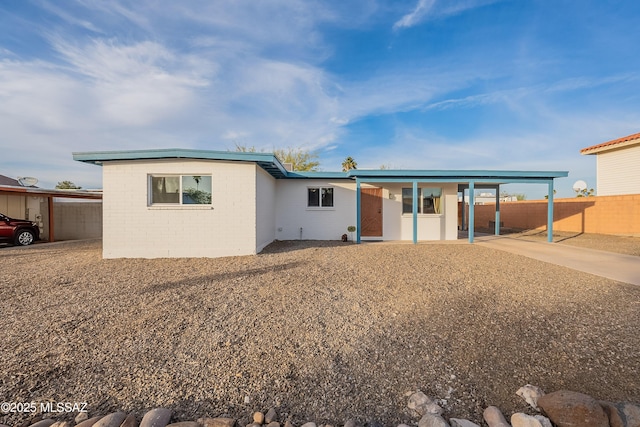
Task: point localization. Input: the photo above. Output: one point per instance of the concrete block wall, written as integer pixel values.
(601, 214)
(77, 220)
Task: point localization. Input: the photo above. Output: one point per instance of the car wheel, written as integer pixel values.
(24, 238)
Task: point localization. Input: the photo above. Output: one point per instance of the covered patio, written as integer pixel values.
(465, 179)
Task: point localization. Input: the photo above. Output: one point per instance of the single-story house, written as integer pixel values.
(617, 165)
(201, 203)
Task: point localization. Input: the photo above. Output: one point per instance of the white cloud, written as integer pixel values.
(433, 9)
(418, 14)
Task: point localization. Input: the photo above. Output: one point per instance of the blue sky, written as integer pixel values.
(410, 84)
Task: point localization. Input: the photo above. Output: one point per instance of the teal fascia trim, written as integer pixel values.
(461, 179)
(358, 219)
(471, 210)
(267, 161)
(478, 175)
(550, 213)
(415, 212)
(317, 175)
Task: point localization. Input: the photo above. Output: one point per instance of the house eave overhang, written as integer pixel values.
(266, 161)
(270, 163)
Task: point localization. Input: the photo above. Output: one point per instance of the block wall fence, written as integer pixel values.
(601, 214)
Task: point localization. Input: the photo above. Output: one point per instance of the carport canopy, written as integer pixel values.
(466, 179)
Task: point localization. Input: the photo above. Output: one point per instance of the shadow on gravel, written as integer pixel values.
(282, 246)
(162, 287)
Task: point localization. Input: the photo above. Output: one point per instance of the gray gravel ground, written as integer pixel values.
(324, 331)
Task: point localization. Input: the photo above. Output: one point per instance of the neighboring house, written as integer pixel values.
(56, 220)
(617, 165)
(197, 203)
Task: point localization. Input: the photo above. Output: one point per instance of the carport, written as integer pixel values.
(47, 222)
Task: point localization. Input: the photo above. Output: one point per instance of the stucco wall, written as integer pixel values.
(134, 229)
(618, 171)
(292, 213)
(265, 209)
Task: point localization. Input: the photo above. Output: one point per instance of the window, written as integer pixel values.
(180, 189)
(428, 200)
(320, 197)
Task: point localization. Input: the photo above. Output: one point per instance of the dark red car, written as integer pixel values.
(18, 231)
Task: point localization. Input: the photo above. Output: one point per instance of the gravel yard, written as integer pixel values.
(323, 331)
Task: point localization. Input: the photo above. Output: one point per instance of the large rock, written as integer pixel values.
(44, 423)
(271, 416)
(432, 420)
(88, 423)
(494, 417)
(217, 422)
(459, 422)
(158, 417)
(622, 414)
(111, 420)
(184, 424)
(523, 420)
(82, 416)
(570, 409)
(131, 421)
(544, 421)
(422, 404)
(530, 394)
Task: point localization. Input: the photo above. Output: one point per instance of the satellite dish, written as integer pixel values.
(27, 181)
(579, 185)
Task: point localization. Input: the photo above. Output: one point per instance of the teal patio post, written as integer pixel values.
(498, 210)
(472, 190)
(415, 212)
(550, 213)
(358, 220)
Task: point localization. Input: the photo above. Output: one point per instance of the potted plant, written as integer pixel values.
(351, 229)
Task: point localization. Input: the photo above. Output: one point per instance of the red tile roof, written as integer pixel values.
(609, 144)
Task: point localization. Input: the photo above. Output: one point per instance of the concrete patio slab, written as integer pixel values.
(620, 267)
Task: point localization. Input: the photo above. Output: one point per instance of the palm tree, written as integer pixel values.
(349, 164)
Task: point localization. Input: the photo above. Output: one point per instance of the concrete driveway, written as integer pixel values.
(623, 268)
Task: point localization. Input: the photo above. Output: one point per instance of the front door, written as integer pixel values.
(371, 212)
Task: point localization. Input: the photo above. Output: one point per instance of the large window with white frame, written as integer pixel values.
(429, 200)
(320, 197)
(179, 189)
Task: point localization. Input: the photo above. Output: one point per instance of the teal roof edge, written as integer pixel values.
(270, 163)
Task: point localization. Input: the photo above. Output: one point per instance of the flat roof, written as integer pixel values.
(625, 141)
(270, 163)
(35, 191)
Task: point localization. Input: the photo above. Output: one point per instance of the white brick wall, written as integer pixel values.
(329, 224)
(265, 209)
(132, 228)
(317, 224)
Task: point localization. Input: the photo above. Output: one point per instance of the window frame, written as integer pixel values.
(180, 203)
(320, 189)
(421, 200)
